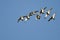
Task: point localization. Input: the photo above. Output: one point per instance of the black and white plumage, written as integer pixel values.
(26, 18)
(48, 13)
(42, 10)
(33, 13)
(52, 17)
(21, 18)
(30, 14)
(38, 17)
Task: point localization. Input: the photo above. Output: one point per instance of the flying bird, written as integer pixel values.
(21, 18)
(52, 17)
(33, 13)
(26, 18)
(48, 12)
(42, 10)
(38, 17)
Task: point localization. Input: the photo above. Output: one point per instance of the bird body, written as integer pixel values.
(26, 18)
(48, 13)
(42, 10)
(52, 17)
(37, 17)
(21, 18)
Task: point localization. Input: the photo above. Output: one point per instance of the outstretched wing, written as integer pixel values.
(31, 13)
(50, 18)
(19, 19)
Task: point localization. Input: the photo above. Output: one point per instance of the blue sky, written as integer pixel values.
(11, 10)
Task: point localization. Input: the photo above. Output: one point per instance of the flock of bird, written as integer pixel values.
(38, 15)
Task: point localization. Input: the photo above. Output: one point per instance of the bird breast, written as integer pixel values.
(49, 12)
(42, 10)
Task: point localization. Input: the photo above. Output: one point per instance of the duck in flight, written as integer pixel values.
(21, 18)
(52, 17)
(48, 12)
(24, 18)
(33, 13)
(38, 17)
(42, 10)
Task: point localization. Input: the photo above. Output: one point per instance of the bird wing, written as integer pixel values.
(50, 18)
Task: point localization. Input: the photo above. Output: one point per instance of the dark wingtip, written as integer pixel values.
(45, 8)
(18, 21)
(48, 20)
(51, 8)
